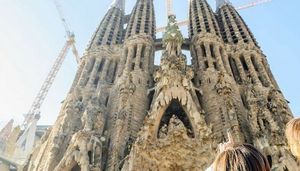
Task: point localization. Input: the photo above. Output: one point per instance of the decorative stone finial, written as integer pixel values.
(118, 4)
(220, 3)
(172, 38)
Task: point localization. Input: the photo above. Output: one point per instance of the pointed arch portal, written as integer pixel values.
(175, 108)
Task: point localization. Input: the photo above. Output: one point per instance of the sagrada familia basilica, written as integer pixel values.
(125, 113)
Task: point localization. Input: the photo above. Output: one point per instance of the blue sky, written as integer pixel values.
(31, 36)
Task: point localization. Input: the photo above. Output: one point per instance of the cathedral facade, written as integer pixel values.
(125, 113)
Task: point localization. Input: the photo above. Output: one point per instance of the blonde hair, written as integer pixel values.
(241, 157)
(293, 136)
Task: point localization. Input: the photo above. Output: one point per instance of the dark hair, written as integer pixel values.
(241, 157)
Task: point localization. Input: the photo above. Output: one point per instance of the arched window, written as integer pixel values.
(244, 64)
(100, 68)
(203, 50)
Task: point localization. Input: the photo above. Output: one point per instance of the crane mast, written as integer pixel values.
(37, 103)
(34, 111)
(70, 35)
(169, 4)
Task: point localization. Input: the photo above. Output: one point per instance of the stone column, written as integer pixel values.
(147, 57)
(84, 76)
(105, 70)
(240, 68)
(129, 57)
(94, 72)
(219, 59)
(208, 54)
(263, 72)
(226, 63)
(138, 55)
(123, 61)
(252, 71)
(200, 58)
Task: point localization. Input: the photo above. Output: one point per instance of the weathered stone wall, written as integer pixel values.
(106, 123)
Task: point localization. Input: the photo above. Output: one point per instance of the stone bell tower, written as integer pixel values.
(78, 139)
(125, 113)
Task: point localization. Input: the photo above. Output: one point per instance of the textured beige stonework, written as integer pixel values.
(125, 113)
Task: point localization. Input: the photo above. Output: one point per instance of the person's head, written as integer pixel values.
(293, 136)
(241, 157)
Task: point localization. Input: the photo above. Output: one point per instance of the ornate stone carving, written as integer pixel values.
(167, 145)
(176, 126)
(93, 118)
(172, 39)
(168, 140)
(223, 87)
(163, 132)
(85, 150)
(126, 87)
(276, 102)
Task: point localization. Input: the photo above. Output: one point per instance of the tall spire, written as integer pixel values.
(110, 30)
(220, 3)
(142, 20)
(202, 18)
(118, 4)
(233, 27)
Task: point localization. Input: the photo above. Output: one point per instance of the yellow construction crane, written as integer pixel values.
(70, 35)
(186, 22)
(252, 4)
(34, 110)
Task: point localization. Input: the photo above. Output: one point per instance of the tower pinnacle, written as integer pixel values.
(220, 3)
(172, 38)
(119, 4)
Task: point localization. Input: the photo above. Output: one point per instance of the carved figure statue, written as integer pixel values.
(163, 131)
(250, 96)
(172, 38)
(126, 88)
(176, 125)
(92, 118)
(186, 82)
(222, 86)
(230, 109)
(95, 146)
(86, 150)
(275, 101)
(55, 149)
